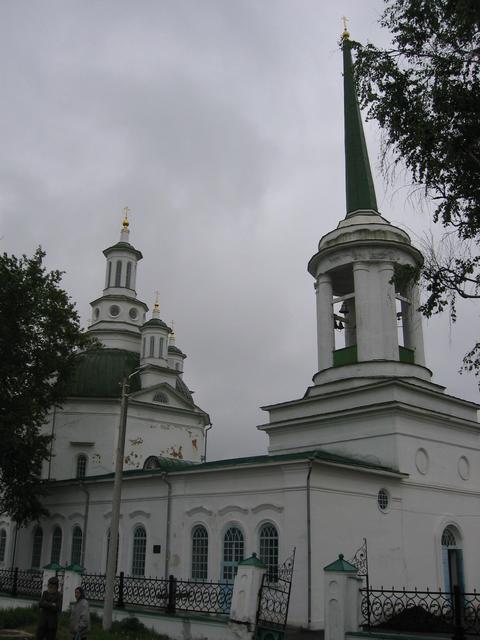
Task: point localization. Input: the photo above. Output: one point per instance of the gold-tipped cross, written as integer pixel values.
(345, 33)
(126, 211)
(157, 304)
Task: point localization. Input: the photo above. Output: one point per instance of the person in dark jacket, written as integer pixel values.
(50, 606)
(79, 616)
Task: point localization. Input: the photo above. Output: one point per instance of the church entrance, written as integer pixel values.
(452, 559)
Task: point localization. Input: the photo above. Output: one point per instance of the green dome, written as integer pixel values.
(156, 322)
(174, 349)
(99, 373)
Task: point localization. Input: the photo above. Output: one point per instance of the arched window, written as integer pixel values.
(109, 273)
(56, 545)
(139, 550)
(81, 466)
(37, 547)
(269, 550)
(199, 553)
(452, 559)
(128, 276)
(160, 349)
(118, 273)
(3, 544)
(152, 462)
(232, 552)
(152, 347)
(144, 350)
(77, 536)
(108, 549)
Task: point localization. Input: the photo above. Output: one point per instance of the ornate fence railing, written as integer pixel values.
(416, 611)
(21, 583)
(170, 595)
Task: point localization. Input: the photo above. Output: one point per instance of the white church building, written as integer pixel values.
(374, 449)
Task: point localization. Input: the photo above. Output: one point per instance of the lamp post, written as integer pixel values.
(116, 499)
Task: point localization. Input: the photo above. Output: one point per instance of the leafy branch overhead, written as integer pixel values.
(424, 92)
(39, 337)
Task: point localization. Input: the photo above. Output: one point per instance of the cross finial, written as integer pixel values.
(126, 211)
(345, 34)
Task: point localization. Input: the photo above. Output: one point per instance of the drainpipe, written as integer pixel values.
(309, 548)
(52, 435)
(163, 476)
(204, 457)
(85, 522)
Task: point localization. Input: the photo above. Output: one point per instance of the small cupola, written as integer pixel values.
(175, 355)
(155, 334)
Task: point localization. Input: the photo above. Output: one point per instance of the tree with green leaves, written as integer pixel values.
(424, 92)
(39, 336)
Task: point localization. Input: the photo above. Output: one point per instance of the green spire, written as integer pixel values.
(359, 183)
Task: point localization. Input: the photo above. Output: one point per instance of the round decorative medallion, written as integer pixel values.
(96, 313)
(114, 310)
(421, 461)
(133, 313)
(463, 468)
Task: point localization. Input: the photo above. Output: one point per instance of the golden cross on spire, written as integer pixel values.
(345, 34)
(173, 327)
(126, 211)
(156, 306)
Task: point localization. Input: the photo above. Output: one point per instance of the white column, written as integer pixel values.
(71, 581)
(388, 311)
(246, 589)
(342, 599)
(412, 326)
(350, 323)
(369, 322)
(325, 335)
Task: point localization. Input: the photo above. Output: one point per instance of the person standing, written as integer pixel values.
(50, 606)
(80, 616)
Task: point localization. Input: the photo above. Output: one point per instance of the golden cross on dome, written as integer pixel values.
(345, 34)
(126, 211)
(157, 303)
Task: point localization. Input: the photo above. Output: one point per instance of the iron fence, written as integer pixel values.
(274, 599)
(170, 595)
(453, 612)
(21, 583)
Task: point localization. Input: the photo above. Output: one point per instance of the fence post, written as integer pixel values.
(457, 611)
(15, 582)
(342, 599)
(172, 592)
(120, 602)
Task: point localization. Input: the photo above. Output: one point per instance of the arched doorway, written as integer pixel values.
(452, 559)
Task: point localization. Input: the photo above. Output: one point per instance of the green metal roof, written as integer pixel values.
(359, 183)
(253, 561)
(174, 349)
(156, 322)
(173, 465)
(341, 565)
(99, 373)
(123, 246)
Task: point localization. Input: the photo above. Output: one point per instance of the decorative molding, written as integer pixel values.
(232, 509)
(108, 514)
(78, 443)
(463, 468)
(76, 516)
(57, 515)
(197, 510)
(267, 506)
(139, 514)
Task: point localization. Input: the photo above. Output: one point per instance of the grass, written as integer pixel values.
(127, 629)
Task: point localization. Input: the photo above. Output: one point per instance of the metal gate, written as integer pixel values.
(273, 601)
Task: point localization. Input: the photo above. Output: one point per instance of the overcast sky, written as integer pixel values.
(220, 124)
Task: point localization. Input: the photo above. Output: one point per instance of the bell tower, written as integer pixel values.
(368, 323)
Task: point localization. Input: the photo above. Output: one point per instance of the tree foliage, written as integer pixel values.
(424, 92)
(39, 336)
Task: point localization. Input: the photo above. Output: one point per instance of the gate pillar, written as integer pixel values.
(245, 590)
(72, 580)
(342, 599)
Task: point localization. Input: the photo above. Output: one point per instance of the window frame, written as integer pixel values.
(199, 553)
(139, 551)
